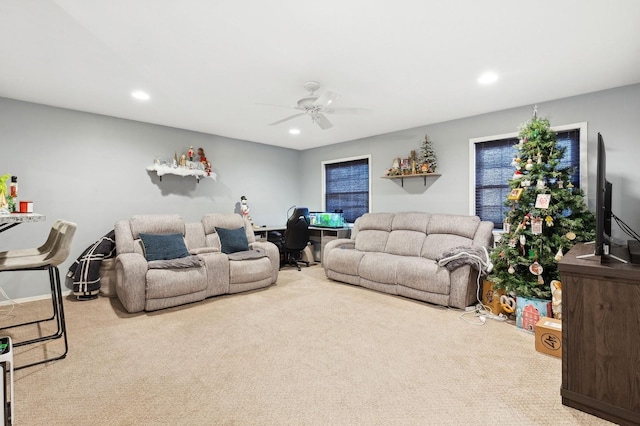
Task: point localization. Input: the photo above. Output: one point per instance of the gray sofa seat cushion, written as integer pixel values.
(423, 274)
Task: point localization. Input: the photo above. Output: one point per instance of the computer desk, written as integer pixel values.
(318, 235)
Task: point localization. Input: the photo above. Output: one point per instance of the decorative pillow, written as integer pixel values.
(232, 240)
(163, 246)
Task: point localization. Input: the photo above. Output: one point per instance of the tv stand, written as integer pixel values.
(600, 345)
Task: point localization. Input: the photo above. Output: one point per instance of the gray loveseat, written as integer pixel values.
(397, 253)
(203, 271)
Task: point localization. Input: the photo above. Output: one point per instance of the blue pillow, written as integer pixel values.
(232, 240)
(163, 246)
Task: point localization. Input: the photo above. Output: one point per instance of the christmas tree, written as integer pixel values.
(547, 215)
(428, 156)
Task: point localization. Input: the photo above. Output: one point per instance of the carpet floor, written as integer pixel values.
(305, 351)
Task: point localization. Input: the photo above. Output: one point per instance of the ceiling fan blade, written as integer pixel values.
(287, 119)
(279, 106)
(346, 110)
(322, 121)
(326, 99)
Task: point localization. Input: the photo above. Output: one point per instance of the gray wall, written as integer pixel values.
(615, 113)
(91, 169)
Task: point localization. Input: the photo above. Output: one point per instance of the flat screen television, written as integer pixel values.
(603, 202)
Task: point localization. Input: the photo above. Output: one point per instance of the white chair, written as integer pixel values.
(60, 246)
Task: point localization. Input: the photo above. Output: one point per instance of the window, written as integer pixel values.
(491, 168)
(346, 186)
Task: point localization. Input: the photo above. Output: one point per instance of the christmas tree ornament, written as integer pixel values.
(514, 162)
(539, 157)
(511, 269)
(525, 183)
(540, 280)
(570, 236)
(560, 184)
(558, 255)
(535, 268)
(541, 184)
(517, 175)
(536, 226)
(548, 220)
(529, 164)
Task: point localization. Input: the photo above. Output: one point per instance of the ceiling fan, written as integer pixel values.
(316, 106)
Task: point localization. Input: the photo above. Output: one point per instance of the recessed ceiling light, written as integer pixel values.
(140, 95)
(294, 131)
(488, 78)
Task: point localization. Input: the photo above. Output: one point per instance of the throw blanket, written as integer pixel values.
(476, 256)
(86, 269)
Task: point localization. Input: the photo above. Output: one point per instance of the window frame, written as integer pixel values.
(583, 161)
(344, 160)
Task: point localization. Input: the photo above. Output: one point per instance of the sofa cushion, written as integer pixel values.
(379, 267)
(232, 240)
(405, 243)
(371, 240)
(436, 244)
(423, 274)
(464, 226)
(156, 224)
(163, 246)
(411, 221)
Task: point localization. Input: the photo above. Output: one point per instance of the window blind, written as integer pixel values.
(494, 170)
(347, 188)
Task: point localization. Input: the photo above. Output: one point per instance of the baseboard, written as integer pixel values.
(32, 298)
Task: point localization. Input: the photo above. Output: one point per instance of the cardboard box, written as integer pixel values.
(549, 336)
(529, 310)
(491, 297)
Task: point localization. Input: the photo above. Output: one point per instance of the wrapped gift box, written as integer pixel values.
(530, 310)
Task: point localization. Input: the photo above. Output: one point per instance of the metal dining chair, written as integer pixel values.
(63, 232)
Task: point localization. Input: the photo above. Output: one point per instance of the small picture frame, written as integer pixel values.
(542, 201)
(515, 194)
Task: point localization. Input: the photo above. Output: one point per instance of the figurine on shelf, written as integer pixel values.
(190, 153)
(244, 209)
(206, 165)
(183, 160)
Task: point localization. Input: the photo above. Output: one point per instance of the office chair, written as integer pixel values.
(296, 237)
(58, 246)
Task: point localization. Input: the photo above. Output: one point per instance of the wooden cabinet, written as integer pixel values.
(601, 336)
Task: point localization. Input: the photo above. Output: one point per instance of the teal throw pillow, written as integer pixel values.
(163, 246)
(232, 240)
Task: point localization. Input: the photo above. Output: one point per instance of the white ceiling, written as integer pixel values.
(209, 65)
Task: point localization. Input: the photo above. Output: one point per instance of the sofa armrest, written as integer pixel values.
(341, 243)
(272, 253)
(131, 281)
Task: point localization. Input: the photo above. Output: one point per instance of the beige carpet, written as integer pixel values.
(306, 351)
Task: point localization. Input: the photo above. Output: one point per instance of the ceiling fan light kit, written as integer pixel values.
(316, 106)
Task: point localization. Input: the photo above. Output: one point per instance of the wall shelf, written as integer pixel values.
(163, 169)
(423, 175)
